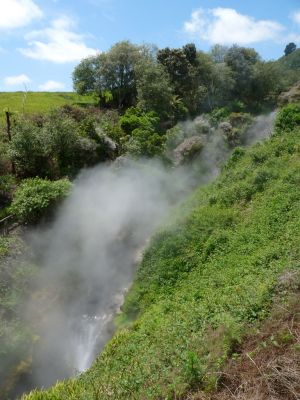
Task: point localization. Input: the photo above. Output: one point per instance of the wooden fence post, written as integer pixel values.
(8, 130)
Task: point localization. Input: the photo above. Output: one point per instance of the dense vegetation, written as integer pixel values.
(205, 276)
(210, 271)
(180, 82)
(142, 93)
(35, 197)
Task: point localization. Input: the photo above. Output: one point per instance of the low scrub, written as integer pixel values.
(36, 198)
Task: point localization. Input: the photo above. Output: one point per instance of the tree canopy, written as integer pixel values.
(290, 48)
(177, 82)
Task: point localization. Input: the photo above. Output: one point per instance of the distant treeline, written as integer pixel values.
(142, 92)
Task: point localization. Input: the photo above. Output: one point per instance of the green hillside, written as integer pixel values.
(292, 61)
(37, 102)
(204, 278)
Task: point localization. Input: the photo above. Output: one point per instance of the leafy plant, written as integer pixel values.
(288, 118)
(36, 198)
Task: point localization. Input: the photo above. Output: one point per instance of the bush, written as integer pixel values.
(58, 147)
(218, 115)
(145, 142)
(110, 126)
(62, 139)
(35, 198)
(28, 149)
(135, 118)
(288, 118)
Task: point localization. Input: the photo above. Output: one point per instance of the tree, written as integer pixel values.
(268, 82)
(111, 75)
(84, 75)
(177, 66)
(188, 72)
(290, 48)
(220, 86)
(218, 53)
(154, 89)
(241, 61)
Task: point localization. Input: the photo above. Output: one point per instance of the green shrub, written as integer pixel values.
(55, 147)
(29, 149)
(135, 118)
(236, 155)
(145, 142)
(239, 119)
(36, 198)
(110, 126)
(218, 115)
(61, 140)
(288, 118)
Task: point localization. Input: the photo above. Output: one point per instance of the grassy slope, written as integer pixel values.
(203, 279)
(267, 364)
(37, 102)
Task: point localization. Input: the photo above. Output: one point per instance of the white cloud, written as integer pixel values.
(296, 16)
(16, 80)
(57, 43)
(226, 26)
(51, 85)
(18, 13)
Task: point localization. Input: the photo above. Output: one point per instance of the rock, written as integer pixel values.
(226, 127)
(187, 150)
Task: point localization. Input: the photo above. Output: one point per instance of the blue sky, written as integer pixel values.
(42, 40)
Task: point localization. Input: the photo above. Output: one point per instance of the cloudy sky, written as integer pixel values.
(42, 40)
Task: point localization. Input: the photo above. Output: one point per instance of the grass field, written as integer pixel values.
(37, 102)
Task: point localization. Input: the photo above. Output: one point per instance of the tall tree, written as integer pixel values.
(218, 53)
(188, 71)
(241, 61)
(155, 92)
(290, 48)
(111, 75)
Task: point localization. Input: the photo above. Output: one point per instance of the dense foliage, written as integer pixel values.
(212, 270)
(143, 92)
(183, 81)
(36, 197)
(206, 275)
